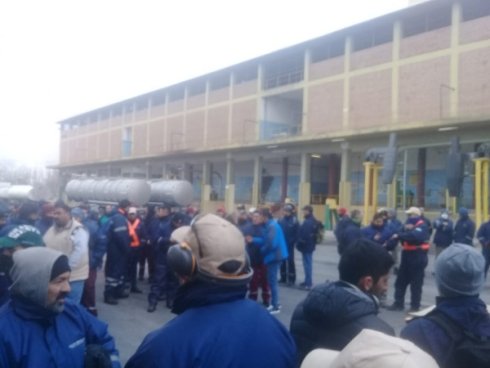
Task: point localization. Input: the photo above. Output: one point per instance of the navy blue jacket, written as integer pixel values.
(340, 227)
(332, 315)
(33, 337)
(158, 228)
(483, 234)
(290, 226)
(307, 234)
(350, 233)
(257, 232)
(416, 236)
(444, 232)
(243, 225)
(379, 235)
(468, 312)
(119, 236)
(464, 231)
(216, 327)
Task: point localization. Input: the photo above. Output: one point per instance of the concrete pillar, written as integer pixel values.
(230, 185)
(257, 183)
(391, 194)
(206, 186)
(456, 16)
(284, 179)
(345, 184)
(305, 180)
(421, 168)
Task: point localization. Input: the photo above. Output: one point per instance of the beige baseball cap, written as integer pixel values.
(218, 246)
(371, 349)
(413, 211)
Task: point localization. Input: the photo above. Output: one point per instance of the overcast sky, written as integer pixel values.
(60, 58)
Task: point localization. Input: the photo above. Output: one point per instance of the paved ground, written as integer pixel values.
(129, 322)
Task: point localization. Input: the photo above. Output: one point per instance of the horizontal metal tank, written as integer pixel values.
(22, 192)
(172, 192)
(137, 191)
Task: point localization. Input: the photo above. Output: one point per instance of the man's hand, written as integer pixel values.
(248, 239)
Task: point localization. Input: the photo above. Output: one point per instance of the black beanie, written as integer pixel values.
(60, 266)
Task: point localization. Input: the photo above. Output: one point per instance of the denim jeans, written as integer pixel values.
(76, 291)
(308, 267)
(272, 270)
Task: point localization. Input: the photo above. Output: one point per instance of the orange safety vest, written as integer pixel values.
(135, 240)
(411, 247)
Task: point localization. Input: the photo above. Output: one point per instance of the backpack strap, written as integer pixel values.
(455, 332)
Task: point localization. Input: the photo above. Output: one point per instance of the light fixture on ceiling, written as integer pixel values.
(338, 140)
(447, 129)
(316, 155)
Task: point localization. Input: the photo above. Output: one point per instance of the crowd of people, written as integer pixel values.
(210, 270)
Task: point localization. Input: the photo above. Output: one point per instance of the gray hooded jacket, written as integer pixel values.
(31, 273)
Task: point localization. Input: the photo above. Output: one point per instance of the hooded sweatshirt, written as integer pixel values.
(31, 274)
(34, 336)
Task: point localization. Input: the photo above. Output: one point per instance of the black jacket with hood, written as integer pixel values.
(332, 315)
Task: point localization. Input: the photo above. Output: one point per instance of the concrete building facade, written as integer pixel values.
(297, 122)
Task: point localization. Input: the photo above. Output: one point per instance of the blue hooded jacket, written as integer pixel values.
(33, 335)
(216, 327)
(274, 248)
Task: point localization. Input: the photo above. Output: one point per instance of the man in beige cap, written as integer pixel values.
(371, 349)
(414, 239)
(216, 326)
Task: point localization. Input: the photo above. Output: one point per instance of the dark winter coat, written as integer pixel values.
(307, 234)
(290, 226)
(216, 327)
(332, 315)
(483, 234)
(467, 312)
(444, 232)
(350, 233)
(379, 235)
(257, 232)
(464, 231)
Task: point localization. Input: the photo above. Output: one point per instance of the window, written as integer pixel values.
(158, 98)
(246, 74)
(94, 117)
(219, 81)
(176, 94)
(104, 114)
(288, 69)
(129, 108)
(117, 110)
(141, 103)
(196, 88)
(375, 36)
(417, 24)
(473, 9)
(127, 141)
(328, 50)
